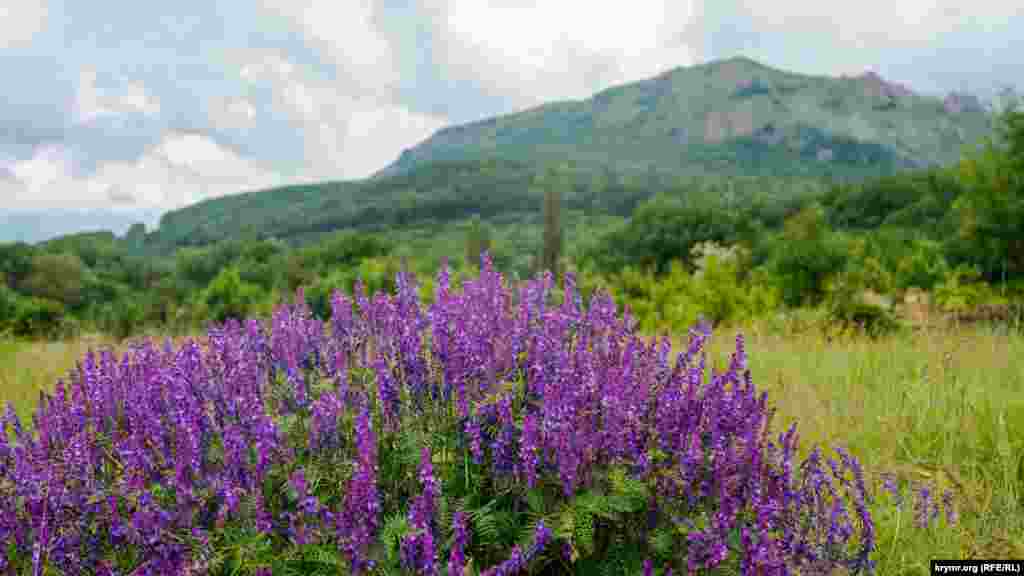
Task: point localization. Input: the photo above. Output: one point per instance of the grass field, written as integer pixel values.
(945, 408)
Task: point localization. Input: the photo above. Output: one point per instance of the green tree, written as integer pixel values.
(478, 239)
(57, 277)
(8, 307)
(552, 250)
(15, 262)
(990, 213)
(228, 296)
(664, 229)
(37, 317)
(806, 254)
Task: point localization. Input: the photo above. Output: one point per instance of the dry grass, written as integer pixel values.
(943, 407)
(26, 368)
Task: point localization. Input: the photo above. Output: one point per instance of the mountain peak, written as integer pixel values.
(737, 59)
(734, 111)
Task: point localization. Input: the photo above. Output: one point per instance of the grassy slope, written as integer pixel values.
(945, 407)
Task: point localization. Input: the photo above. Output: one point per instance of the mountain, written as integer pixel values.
(734, 115)
(732, 118)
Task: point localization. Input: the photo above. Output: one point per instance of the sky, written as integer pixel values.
(142, 107)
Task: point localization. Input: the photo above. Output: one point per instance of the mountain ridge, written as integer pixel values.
(721, 119)
(723, 102)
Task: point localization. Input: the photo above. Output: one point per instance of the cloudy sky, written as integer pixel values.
(148, 106)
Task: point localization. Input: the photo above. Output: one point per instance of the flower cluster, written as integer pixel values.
(157, 450)
(418, 554)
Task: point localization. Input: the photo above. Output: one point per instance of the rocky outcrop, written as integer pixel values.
(881, 93)
(736, 123)
(960, 102)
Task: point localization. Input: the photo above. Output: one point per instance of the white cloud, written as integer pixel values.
(182, 169)
(376, 136)
(20, 21)
(48, 165)
(346, 134)
(232, 113)
(536, 52)
(348, 37)
(835, 38)
(907, 23)
(91, 103)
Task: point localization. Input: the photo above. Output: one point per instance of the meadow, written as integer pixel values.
(930, 415)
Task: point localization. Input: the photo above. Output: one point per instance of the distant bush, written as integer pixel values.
(714, 292)
(228, 296)
(8, 307)
(39, 318)
(962, 289)
(924, 267)
(122, 318)
(804, 256)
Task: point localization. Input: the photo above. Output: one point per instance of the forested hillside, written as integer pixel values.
(774, 131)
(674, 247)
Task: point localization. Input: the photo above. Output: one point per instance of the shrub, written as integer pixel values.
(805, 256)
(123, 318)
(398, 439)
(924, 267)
(228, 296)
(8, 307)
(38, 318)
(714, 292)
(58, 277)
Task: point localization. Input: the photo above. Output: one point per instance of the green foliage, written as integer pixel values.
(199, 266)
(228, 296)
(666, 229)
(716, 292)
(122, 318)
(598, 524)
(58, 277)
(961, 289)
(805, 255)
(377, 274)
(260, 262)
(38, 318)
(478, 240)
(318, 295)
(8, 307)
(918, 200)
(910, 259)
(15, 262)
(990, 213)
(853, 299)
(345, 249)
(552, 251)
(341, 251)
(722, 293)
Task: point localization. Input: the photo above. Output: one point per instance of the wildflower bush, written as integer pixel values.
(476, 436)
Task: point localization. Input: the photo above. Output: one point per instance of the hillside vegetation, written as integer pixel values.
(685, 128)
(954, 231)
